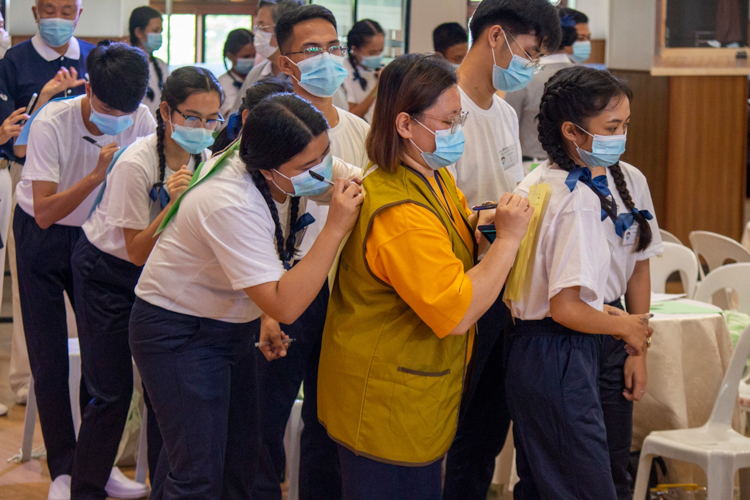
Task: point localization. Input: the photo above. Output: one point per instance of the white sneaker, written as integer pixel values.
(119, 486)
(60, 488)
(3, 410)
(22, 395)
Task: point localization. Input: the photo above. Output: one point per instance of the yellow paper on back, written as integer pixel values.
(538, 197)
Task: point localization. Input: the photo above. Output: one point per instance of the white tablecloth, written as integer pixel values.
(686, 364)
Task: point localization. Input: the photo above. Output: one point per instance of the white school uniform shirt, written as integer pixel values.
(153, 84)
(491, 163)
(572, 249)
(624, 257)
(354, 91)
(231, 91)
(126, 203)
(57, 153)
(348, 143)
(221, 241)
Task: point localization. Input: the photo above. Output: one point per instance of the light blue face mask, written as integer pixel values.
(321, 75)
(244, 65)
(55, 31)
(305, 184)
(449, 147)
(192, 140)
(516, 77)
(581, 51)
(372, 62)
(455, 66)
(111, 125)
(154, 41)
(605, 150)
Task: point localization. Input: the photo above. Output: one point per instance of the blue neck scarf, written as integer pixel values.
(624, 221)
(158, 191)
(598, 184)
(301, 224)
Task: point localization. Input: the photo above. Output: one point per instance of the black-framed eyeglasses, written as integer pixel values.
(195, 122)
(334, 50)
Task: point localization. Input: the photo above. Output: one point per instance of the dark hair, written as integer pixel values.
(447, 35)
(278, 129)
(576, 95)
(140, 18)
(292, 17)
(411, 84)
(118, 74)
(253, 96)
(569, 32)
(359, 36)
(519, 17)
(280, 7)
(578, 16)
(236, 39)
(180, 85)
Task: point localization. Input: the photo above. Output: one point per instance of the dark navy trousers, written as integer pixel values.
(552, 383)
(278, 385)
(201, 377)
(484, 419)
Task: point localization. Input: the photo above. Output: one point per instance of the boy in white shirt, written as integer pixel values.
(307, 27)
(508, 37)
(57, 189)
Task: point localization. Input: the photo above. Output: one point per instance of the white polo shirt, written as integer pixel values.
(572, 249)
(57, 153)
(221, 241)
(491, 164)
(624, 256)
(126, 203)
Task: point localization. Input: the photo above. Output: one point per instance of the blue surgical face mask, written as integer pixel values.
(111, 125)
(154, 41)
(448, 147)
(55, 31)
(305, 184)
(581, 51)
(455, 66)
(192, 140)
(321, 75)
(244, 65)
(516, 77)
(605, 150)
(372, 62)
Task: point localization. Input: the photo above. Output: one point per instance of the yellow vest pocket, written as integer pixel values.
(416, 407)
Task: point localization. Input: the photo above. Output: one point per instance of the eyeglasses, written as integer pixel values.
(196, 122)
(456, 122)
(334, 50)
(268, 28)
(533, 63)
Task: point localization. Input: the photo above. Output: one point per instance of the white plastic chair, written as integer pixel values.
(292, 439)
(666, 236)
(715, 446)
(676, 257)
(733, 277)
(716, 250)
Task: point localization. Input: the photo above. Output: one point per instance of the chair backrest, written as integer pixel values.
(666, 236)
(723, 410)
(676, 257)
(716, 249)
(733, 276)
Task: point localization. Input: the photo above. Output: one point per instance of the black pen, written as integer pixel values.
(91, 140)
(319, 177)
(486, 206)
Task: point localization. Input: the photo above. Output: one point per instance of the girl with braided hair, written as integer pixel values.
(634, 238)
(366, 42)
(143, 182)
(240, 52)
(146, 28)
(225, 258)
(565, 334)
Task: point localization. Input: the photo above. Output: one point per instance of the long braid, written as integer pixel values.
(357, 77)
(359, 36)
(160, 133)
(291, 239)
(159, 74)
(260, 183)
(644, 228)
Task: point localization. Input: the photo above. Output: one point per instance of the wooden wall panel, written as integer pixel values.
(707, 154)
(648, 134)
(598, 52)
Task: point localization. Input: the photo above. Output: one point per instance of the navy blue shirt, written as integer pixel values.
(23, 72)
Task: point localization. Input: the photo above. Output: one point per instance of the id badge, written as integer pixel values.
(509, 156)
(630, 236)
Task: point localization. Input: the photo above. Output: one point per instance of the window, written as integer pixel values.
(178, 48)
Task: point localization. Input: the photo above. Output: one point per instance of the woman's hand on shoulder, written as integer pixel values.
(346, 201)
(512, 217)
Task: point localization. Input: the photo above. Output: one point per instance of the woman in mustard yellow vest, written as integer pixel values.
(407, 295)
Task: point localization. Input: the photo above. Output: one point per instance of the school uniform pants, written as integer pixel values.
(278, 384)
(367, 479)
(552, 382)
(484, 419)
(200, 375)
(104, 295)
(44, 276)
(618, 411)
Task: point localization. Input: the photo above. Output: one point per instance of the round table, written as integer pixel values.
(686, 363)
